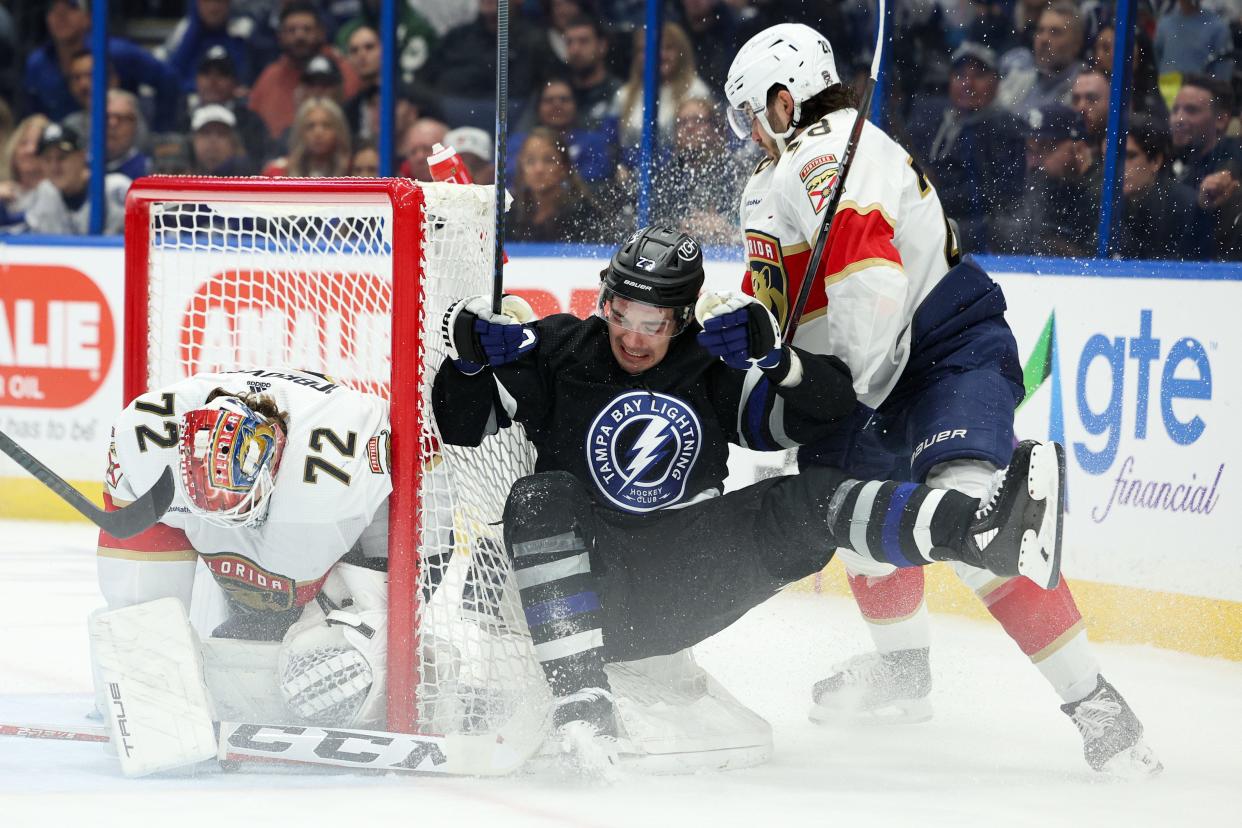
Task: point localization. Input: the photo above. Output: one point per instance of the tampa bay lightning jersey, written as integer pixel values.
(644, 441)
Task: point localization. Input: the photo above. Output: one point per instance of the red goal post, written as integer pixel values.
(349, 277)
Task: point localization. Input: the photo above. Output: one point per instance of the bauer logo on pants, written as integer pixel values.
(641, 449)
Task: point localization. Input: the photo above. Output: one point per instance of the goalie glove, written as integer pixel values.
(474, 336)
(742, 332)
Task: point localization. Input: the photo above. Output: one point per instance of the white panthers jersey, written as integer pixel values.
(332, 479)
(890, 246)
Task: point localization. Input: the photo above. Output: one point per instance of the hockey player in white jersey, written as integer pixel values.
(934, 365)
(281, 473)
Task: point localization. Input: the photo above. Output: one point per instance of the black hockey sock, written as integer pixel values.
(903, 524)
(562, 609)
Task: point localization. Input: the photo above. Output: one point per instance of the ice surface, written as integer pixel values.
(998, 752)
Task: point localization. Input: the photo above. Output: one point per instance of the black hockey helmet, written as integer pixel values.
(657, 266)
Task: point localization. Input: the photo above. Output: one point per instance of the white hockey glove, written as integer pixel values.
(742, 332)
(333, 664)
(474, 336)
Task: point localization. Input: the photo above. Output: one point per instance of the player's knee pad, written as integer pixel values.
(546, 504)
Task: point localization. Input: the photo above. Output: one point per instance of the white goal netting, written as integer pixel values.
(247, 278)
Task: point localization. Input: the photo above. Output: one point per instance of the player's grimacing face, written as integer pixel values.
(634, 350)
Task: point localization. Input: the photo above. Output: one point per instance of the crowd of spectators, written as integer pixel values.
(1003, 103)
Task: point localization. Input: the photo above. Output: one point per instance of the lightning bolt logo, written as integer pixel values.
(646, 451)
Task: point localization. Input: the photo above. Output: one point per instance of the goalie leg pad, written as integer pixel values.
(157, 708)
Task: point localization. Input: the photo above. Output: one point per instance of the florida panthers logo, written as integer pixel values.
(641, 449)
(769, 283)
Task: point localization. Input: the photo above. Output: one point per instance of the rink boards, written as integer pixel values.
(1133, 366)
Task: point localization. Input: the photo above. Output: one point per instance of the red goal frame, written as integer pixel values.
(408, 213)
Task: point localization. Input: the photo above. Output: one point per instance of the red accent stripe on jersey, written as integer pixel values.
(306, 592)
(159, 538)
(889, 597)
(855, 237)
(1033, 617)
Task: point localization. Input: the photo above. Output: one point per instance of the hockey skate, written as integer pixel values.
(1017, 530)
(1112, 736)
(883, 688)
(585, 724)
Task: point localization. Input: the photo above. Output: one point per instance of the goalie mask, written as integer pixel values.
(790, 55)
(228, 461)
(657, 266)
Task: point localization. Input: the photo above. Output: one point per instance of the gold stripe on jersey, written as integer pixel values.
(175, 556)
(862, 264)
(874, 206)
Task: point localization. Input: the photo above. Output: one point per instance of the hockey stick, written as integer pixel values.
(84, 734)
(838, 186)
(136, 517)
(502, 122)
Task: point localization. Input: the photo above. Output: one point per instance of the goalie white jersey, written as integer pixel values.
(332, 482)
(890, 246)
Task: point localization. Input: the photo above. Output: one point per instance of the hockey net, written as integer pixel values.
(350, 278)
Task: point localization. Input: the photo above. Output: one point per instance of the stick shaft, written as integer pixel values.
(502, 137)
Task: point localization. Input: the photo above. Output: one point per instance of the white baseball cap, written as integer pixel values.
(472, 140)
(212, 114)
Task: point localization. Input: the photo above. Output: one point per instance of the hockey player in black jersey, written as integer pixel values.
(623, 546)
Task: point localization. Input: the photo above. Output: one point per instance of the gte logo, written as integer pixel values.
(1184, 373)
(334, 323)
(56, 336)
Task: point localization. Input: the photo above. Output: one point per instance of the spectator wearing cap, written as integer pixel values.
(475, 148)
(1193, 40)
(973, 150)
(126, 136)
(594, 151)
(301, 36)
(208, 24)
(216, 82)
(319, 143)
(322, 79)
(216, 147)
(586, 55)
(61, 203)
(1058, 46)
(46, 84)
(1089, 98)
(1059, 210)
(1198, 122)
(1160, 216)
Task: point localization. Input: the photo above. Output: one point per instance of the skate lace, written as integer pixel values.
(1095, 716)
(587, 694)
(863, 668)
(994, 491)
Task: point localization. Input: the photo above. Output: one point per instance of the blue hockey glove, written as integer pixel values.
(739, 330)
(474, 336)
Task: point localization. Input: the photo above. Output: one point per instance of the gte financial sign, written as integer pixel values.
(56, 337)
(1146, 385)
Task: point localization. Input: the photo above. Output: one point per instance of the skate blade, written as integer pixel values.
(904, 711)
(1039, 555)
(587, 757)
(1137, 762)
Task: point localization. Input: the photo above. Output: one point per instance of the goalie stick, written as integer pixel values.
(838, 186)
(125, 522)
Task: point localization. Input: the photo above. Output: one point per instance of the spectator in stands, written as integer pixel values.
(364, 53)
(21, 168)
(1017, 48)
(715, 32)
(365, 163)
(679, 80)
(216, 83)
(973, 150)
(557, 15)
(1058, 46)
(301, 35)
(1145, 88)
(416, 34)
(1192, 40)
(8, 52)
(322, 79)
(206, 25)
(698, 188)
(586, 55)
(61, 203)
(1220, 195)
(46, 83)
(475, 148)
(417, 144)
(463, 66)
(1059, 211)
(126, 135)
(1198, 123)
(217, 147)
(594, 151)
(550, 201)
(1089, 97)
(1160, 217)
(80, 75)
(170, 154)
(319, 143)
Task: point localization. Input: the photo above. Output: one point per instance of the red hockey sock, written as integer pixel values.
(892, 605)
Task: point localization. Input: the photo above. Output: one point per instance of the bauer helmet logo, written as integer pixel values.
(688, 250)
(637, 284)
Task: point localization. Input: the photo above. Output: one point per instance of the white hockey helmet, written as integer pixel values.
(790, 54)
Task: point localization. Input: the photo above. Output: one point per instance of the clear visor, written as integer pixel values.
(741, 119)
(640, 317)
